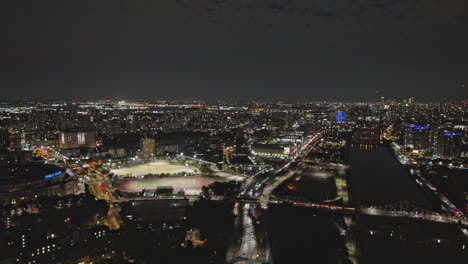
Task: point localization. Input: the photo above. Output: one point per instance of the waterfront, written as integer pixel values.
(377, 178)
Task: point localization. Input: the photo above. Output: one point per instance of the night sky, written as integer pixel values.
(355, 50)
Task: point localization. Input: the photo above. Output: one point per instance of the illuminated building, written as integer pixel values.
(340, 116)
(77, 138)
(449, 144)
(30, 180)
(271, 151)
(418, 137)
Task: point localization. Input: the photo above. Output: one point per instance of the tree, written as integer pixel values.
(205, 169)
(228, 189)
(205, 194)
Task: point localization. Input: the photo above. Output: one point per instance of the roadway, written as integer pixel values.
(259, 187)
(248, 242)
(167, 197)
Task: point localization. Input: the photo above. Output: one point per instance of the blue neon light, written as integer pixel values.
(52, 175)
(419, 128)
(452, 134)
(340, 116)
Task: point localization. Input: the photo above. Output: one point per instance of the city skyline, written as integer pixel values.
(117, 182)
(233, 131)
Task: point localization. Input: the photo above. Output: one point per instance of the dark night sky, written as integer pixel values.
(250, 49)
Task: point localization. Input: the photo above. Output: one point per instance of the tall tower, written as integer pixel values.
(449, 144)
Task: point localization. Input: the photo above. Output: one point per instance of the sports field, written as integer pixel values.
(191, 185)
(156, 167)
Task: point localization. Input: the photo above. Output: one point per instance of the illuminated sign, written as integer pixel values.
(53, 175)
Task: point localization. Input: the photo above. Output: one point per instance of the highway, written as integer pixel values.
(168, 197)
(248, 243)
(258, 189)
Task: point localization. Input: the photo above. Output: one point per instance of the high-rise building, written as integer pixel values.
(418, 137)
(422, 138)
(449, 144)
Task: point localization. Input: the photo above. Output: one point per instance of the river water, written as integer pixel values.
(377, 178)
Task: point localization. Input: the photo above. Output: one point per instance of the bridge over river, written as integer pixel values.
(378, 186)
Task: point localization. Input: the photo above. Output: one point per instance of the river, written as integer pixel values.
(377, 178)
